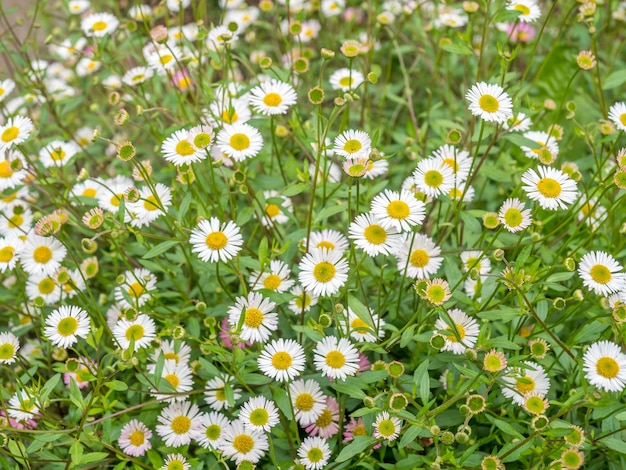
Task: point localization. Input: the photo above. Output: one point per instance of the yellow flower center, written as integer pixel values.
(243, 443)
(175, 465)
(315, 454)
(352, 146)
(272, 282)
(622, 118)
(607, 367)
(135, 290)
(324, 271)
(239, 141)
(9, 134)
(433, 178)
(15, 221)
(325, 419)
(493, 363)
(6, 351)
(136, 438)
(229, 116)
(116, 199)
(5, 169)
(67, 326)
(150, 203)
(139, 77)
(213, 432)
(184, 83)
(335, 359)
(166, 59)
(42, 254)
(89, 192)
(452, 164)
(488, 103)
(216, 240)
(172, 356)
(259, 417)
(600, 273)
(436, 294)
(282, 360)
(535, 405)
(134, 333)
(6, 254)
(386, 428)
(375, 234)
(272, 99)
(419, 258)
(452, 337)
(513, 217)
(99, 26)
(202, 140)
(523, 9)
(325, 244)
(525, 387)
(549, 187)
(359, 430)
(357, 323)
(46, 286)
(220, 395)
(398, 210)
(272, 210)
(184, 148)
(181, 424)
(304, 401)
(253, 318)
(173, 380)
(345, 81)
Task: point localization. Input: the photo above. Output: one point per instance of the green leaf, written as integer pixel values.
(559, 277)
(409, 436)
(75, 396)
(614, 79)
(421, 378)
(48, 387)
(282, 401)
(458, 48)
(615, 444)
(262, 251)
(328, 211)
(160, 248)
(117, 385)
(295, 189)
(93, 457)
(350, 389)
(505, 427)
(76, 451)
(184, 206)
(357, 446)
(521, 141)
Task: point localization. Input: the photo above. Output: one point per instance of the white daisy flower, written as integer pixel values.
(58, 153)
(520, 381)
(490, 102)
(175, 461)
(602, 273)
(375, 169)
(137, 286)
(215, 394)
(433, 177)
(259, 321)
(363, 331)
(180, 353)
(542, 139)
(259, 414)
(275, 211)
(99, 24)
(140, 12)
(227, 111)
(9, 345)
(327, 239)
(111, 194)
(179, 150)
(282, 359)
(353, 143)
(604, 364)
(303, 300)
(180, 423)
(477, 260)
(162, 59)
(323, 272)
(41, 255)
(6, 87)
(135, 438)
(214, 242)
(387, 427)
(44, 287)
(529, 10)
(368, 234)
(22, 406)
(419, 258)
(308, 400)
(177, 5)
(464, 334)
(179, 376)
(141, 331)
(240, 141)
(15, 131)
(77, 7)
(399, 210)
(137, 75)
(552, 188)
(518, 123)
(201, 137)
(514, 215)
(617, 114)
(87, 66)
(314, 453)
(345, 79)
(150, 206)
(212, 430)
(16, 220)
(458, 160)
(273, 97)
(10, 248)
(10, 178)
(336, 358)
(277, 279)
(240, 443)
(65, 325)
(219, 36)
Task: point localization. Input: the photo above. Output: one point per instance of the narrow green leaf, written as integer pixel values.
(160, 249)
(357, 446)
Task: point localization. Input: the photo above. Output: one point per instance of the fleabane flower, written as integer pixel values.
(387, 427)
(213, 430)
(179, 149)
(323, 272)
(360, 330)
(240, 141)
(550, 187)
(514, 215)
(528, 9)
(259, 414)
(141, 331)
(99, 24)
(419, 256)
(345, 79)
(9, 345)
(259, 321)
(15, 131)
(336, 358)
(399, 210)
(367, 233)
(151, 205)
(307, 399)
(9, 252)
(215, 394)
(136, 288)
(602, 273)
(240, 443)
(179, 376)
(66, 324)
(135, 438)
(327, 423)
(433, 177)
(617, 114)
(314, 453)
(529, 377)
(464, 334)
(214, 242)
(282, 359)
(273, 97)
(180, 423)
(458, 160)
(490, 102)
(276, 279)
(543, 140)
(353, 143)
(327, 239)
(604, 364)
